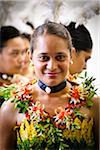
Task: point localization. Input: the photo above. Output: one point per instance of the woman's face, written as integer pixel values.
(51, 59)
(11, 56)
(79, 61)
(26, 57)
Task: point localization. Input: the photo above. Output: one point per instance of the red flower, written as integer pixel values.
(27, 115)
(35, 108)
(61, 115)
(75, 93)
(41, 110)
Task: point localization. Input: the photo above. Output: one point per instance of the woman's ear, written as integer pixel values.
(73, 50)
(71, 62)
(73, 53)
(29, 54)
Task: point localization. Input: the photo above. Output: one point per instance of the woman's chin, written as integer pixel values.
(52, 83)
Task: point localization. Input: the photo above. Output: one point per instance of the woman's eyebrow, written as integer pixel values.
(60, 53)
(42, 54)
(15, 50)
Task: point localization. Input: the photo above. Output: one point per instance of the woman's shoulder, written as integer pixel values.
(96, 105)
(8, 113)
(96, 102)
(95, 109)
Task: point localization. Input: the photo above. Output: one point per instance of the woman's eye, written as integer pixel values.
(86, 60)
(14, 54)
(60, 57)
(25, 51)
(44, 58)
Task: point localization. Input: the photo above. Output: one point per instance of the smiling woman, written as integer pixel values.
(54, 114)
(51, 63)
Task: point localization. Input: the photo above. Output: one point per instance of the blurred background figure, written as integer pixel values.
(26, 54)
(11, 53)
(82, 47)
(27, 65)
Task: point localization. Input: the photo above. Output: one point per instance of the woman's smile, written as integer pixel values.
(52, 74)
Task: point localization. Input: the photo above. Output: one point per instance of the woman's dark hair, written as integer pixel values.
(81, 38)
(26, 36)
(7, 33)
(51, 28)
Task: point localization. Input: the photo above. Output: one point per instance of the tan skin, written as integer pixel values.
(96, 108)
(79, 60)
(27, 67)
(51, 62)
(25, 72)
(11, 57)
(26, 57)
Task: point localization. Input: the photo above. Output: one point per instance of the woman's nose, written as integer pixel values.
(85, 66)
(51, 65)
(21, 59)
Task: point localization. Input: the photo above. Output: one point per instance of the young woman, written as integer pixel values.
(26, 72)
(27, 67)
(11, 53)
(82, 47)
(56, 115)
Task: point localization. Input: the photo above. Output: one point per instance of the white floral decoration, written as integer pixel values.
(37, 12)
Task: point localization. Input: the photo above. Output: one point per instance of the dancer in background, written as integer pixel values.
(81, 52)
(82, 47)
(11, 53)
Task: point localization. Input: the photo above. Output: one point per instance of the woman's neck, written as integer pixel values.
(40, 95)
(51, 101)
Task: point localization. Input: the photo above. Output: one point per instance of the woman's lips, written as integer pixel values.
(52, 74)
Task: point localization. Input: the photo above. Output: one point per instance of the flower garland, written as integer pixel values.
(68, 128)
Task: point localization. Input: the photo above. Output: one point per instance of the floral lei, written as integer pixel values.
(67, 129)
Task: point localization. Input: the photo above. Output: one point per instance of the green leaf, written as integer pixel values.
(5, 92)
(89, 103)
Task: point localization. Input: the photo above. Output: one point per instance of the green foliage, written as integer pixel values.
(48, 137)
(22, 105)
(5, 92)
(89, 88)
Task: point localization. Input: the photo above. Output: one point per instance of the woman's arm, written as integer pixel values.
(96, 119)
(8, 118)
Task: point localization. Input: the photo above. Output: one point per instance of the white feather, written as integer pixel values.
(63, 11)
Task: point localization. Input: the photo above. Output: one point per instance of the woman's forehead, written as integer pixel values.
(51, 41)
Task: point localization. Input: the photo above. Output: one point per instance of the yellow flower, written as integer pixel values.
(77, 135)
(67, 133)
(24, 130)
(27, 131)
(87, 130)
(32, 131)
(84, 131)
(34, 81)
(77, 122)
